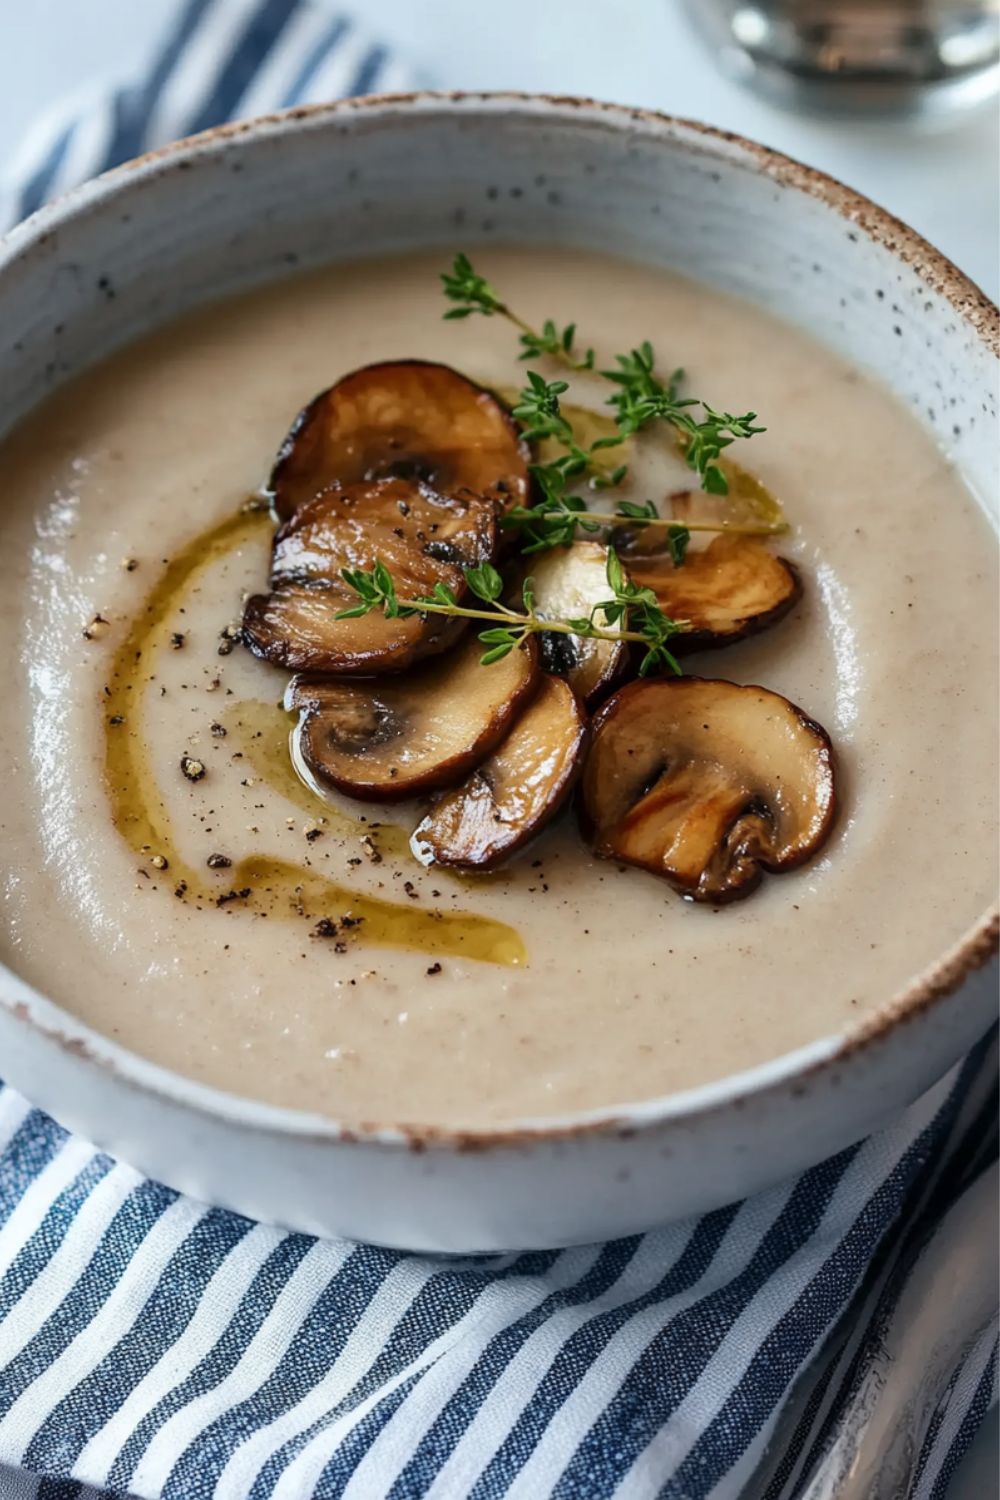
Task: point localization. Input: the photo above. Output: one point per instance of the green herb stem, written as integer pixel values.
(621, 518)
(529, 624)
(472, 293)
(631, 606)
(559, 515)
(641, 396)
(735, 528)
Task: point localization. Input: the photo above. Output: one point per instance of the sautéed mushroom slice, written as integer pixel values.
(733, 588)
(408, 419)
(421, 537)
(515, 792)
(566, 583)
(389, 738)
(707, 784)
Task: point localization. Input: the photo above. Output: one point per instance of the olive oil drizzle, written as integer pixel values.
(262, 883)
(263, 732)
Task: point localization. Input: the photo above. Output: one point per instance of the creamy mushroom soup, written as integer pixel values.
(173, 879)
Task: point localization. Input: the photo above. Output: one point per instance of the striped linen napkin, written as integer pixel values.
(153, 1347)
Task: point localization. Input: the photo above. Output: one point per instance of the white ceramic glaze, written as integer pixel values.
(243, 204)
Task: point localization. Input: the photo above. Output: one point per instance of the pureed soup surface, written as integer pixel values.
(563, 982)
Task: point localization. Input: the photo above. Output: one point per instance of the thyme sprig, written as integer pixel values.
(541, 416)
(633, 609)
(559, 514)
(472, 293)
(641, 398)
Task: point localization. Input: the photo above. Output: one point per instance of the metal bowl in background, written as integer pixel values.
(898, 58)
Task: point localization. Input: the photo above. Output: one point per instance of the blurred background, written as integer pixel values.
(937, 169)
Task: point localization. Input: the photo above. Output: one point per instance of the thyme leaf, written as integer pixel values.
(472, 293)
(640, 399)
(634, 610)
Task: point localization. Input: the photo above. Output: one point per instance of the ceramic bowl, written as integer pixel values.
(241, 204)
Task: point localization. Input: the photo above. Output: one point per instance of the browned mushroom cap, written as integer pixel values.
(567, 582)
(707, 784)
(422, 538)
(514, 793)
(297, 628)
(388, 739)
(409, 419)
(732, 589)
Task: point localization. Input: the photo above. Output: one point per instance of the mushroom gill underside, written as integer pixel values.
(708, 784)
(514, 793)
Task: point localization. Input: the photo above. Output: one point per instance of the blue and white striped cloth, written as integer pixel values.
(222, 60)
(151, 1346)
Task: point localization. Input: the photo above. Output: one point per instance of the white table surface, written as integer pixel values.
(945, 182)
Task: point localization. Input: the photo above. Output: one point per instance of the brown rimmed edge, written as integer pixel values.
(878, 225)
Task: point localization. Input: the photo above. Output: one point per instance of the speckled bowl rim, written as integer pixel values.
(926, 990)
